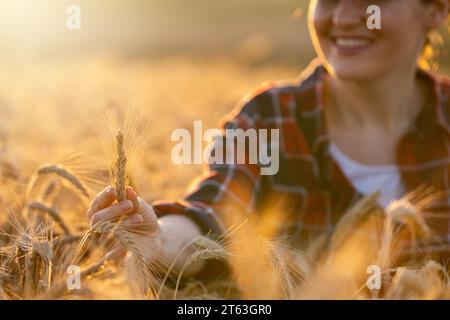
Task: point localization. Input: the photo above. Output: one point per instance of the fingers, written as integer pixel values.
(140, 206)
(131, 210)
(133, 197)
(113, 212)
(102, 200)
(132, 221)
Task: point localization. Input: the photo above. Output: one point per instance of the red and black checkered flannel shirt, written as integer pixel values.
(311, 181)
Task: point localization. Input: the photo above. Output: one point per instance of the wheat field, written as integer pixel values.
(53, 162)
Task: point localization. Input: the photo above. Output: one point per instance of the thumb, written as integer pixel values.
(139, 205)
(133, 197)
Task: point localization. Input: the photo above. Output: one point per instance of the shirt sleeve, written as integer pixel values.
(225, 185)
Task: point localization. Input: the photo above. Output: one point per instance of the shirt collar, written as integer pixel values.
(431, 116)
(425, 139)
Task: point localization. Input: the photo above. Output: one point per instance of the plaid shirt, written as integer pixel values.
(315, 190)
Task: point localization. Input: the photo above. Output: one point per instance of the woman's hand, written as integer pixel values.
(134, 215)
(163, 241)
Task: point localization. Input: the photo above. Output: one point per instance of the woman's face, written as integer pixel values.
(350, 50)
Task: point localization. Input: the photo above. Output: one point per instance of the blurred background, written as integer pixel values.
(254, 29)
(175, 61)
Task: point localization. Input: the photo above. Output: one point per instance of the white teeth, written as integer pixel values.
(351, 43)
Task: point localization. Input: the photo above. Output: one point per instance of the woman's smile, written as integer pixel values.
(350, 44)
(355, 52)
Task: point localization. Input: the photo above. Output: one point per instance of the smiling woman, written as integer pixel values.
(356, 175)
(363, 119)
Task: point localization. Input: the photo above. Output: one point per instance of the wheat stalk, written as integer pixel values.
(120, 167)
(68, 239)
(60, 287)
(37, 266)
(61, 172)
(207, 249)
(34, 205)
(128, 240)
(358, 213)
(403, 211)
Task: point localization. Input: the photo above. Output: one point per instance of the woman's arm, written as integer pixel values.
(176, 232)
(225, 188)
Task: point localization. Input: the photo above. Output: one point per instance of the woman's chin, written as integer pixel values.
(355, 72)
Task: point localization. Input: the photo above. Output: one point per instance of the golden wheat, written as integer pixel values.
(120, 168)
(128, 240)
(34, 205)
(61, 172)
(33, 264)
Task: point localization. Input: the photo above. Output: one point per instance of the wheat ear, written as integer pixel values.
(34, 205)
(120, 169)
(66, 175)
(128, 240)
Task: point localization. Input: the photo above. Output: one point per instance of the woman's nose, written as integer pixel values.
(349, 13)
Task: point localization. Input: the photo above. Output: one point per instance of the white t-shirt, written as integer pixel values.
(369, 178)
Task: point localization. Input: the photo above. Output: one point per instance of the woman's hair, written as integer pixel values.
(433, 44)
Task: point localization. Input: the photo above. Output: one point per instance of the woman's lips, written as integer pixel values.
(351, 45)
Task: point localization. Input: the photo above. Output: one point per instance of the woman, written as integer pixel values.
(363, 117)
